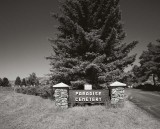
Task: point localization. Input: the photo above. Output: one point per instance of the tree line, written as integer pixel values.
(32, 80)
(4, 82)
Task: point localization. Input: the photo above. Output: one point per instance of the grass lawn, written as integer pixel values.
(19, 111)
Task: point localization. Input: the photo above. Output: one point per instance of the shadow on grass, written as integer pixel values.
(148, 87)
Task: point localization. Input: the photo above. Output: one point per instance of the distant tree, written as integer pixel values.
(33, 80)
(149, 64)
(1, 82)
(5, 82)
(88, 47)
(23, 83)
(18, 81)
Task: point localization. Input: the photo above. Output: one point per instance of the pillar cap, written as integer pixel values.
(60, 85)
(116, 83)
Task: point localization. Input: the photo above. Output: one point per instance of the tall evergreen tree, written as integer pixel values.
(88, 47)
(18, 81)
(149, 63)
(23, 83)
(5, 82)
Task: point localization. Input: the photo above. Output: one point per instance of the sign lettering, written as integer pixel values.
(88, 96)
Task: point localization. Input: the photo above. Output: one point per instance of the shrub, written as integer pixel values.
(43, 91)
(31, 90)
(24, 90)
(16, 89)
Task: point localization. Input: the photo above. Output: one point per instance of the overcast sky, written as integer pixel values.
(25, 26)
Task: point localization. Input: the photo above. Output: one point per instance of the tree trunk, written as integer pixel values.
(154, 80)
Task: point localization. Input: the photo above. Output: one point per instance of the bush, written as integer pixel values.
(17, 89)
(24, 90)
(45, 92)
(21, 90)
(42, 91)
(31, 90)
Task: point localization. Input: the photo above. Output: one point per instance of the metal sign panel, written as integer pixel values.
(88, 96)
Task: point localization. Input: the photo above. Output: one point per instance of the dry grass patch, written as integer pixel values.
(19, 111)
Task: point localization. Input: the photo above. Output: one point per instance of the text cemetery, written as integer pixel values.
(91, 96)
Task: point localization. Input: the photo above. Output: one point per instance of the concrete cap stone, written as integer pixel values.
(116, 83)
(61, 85)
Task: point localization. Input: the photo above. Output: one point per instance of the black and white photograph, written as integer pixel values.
(79, 64)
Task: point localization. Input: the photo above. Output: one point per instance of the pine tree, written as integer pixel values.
(23, 83)
(149, 64)
(18, 81)
(88, 47)
(5, 82)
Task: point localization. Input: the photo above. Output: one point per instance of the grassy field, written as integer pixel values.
(19, 111)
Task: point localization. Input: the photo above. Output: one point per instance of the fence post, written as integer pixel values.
(61, 95)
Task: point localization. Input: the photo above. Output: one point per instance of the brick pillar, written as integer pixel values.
(61, 95)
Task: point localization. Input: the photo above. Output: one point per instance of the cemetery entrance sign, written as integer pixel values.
(64, 96)
(88, 96)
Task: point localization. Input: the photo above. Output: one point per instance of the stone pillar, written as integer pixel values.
(117, 93)
(61, 95)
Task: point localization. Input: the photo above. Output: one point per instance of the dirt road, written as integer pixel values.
(149, 101)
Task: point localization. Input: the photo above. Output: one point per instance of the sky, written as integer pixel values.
(26, 25)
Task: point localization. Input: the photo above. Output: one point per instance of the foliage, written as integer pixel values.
(88, 46)
(18, 81)
(149, 64)
(33, 80)
(43, 91)
(1, 82)
(46, 92)
(5, 82)
(23, 83)
(79, 84)
(148, 87)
